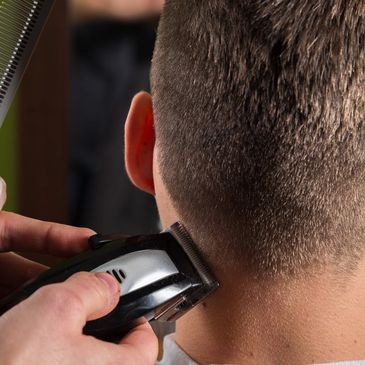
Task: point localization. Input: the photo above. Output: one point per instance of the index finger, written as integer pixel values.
(18, 233)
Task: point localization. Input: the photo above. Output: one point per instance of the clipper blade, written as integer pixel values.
(183, 237)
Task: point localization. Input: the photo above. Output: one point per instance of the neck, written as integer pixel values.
(304, 320)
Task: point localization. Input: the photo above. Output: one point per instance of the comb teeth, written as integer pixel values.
(183, 237)
(21, 22)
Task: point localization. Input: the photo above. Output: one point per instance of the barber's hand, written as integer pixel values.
(18, 233)
(120, 9)
(47, 327)
(23, 234)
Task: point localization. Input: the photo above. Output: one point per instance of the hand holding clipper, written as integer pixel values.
(161, 276)
(48, 327)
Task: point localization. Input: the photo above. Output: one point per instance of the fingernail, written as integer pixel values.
(2, 193)
(109, 281)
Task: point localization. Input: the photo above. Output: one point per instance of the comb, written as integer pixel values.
(21, 22)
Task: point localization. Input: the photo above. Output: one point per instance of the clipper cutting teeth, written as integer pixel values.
(183, 237)
(21, 22)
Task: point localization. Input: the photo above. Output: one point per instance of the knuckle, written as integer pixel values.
(81, 277)
(90, 282)
(96, 290)
(61, 300)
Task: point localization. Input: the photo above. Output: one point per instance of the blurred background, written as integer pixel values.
(61, 146)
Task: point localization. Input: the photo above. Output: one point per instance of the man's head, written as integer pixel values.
(259, 112)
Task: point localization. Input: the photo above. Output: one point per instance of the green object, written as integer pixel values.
(9, 157)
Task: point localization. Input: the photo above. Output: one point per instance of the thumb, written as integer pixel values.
(98, 294)
(2, 193)
(84, 296)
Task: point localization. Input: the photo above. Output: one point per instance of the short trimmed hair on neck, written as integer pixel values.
(259, 114)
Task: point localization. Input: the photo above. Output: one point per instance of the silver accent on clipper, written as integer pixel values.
(139, 269)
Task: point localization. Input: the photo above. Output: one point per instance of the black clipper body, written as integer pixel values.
(162, 276)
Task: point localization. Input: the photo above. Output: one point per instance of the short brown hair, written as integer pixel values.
(260, 111)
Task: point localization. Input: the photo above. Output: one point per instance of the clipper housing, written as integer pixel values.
(162, 276)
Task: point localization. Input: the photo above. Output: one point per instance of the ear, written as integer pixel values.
(140, 142)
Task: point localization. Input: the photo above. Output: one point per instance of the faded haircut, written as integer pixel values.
(259, 113)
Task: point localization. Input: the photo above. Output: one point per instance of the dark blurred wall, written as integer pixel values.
(42, 124)
(110, 63)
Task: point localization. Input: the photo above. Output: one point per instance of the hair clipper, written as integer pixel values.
(162, 276)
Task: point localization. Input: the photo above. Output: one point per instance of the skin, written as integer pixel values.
(47, 327)
(316, 317)
(125, 10)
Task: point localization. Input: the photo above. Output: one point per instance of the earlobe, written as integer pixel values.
(140, 142)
